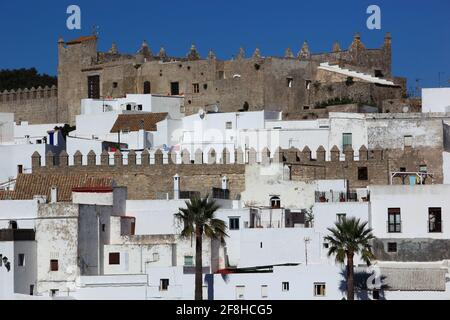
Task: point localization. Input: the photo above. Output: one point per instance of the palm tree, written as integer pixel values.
(349, 237)
(198, 219)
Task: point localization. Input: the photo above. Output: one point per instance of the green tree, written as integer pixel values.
(349, 237)
(24, 78)
(198, 219)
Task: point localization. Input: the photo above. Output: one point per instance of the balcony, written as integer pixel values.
(337, 196)
(394, 227)
(434, 226)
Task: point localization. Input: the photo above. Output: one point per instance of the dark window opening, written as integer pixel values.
(205, 86)
(392, 247)
(379, 74)
(147, 87)
(307, 84)
(319, 289)
(163, 284)
(234, 223)
(402, 169)
(31, 289)
(174, 88)
(12, 224)
(435, 219)
(94, 87)
(54, 265)
(103, 227)
(19, 168)
(21, 260)
(115, 84)
(363, 173)
(376, 294)
(289, 82)
(305, 107)
(129, 107)
(114, 258)
(275, 202)
(285, 286)
(394, 222)
(139, 107)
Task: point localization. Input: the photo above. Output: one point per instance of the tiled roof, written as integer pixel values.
(81, 39)
(133, 122)
(29, 185)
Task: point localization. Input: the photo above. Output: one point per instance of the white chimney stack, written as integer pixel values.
(176, 187)
(54, 195)
(224, 183)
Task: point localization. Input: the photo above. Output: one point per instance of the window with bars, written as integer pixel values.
(319, 289)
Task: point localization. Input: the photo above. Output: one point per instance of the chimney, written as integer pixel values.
(224, 183)
(54, 195)
(176, 187)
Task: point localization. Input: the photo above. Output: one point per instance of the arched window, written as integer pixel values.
(275, 202)
(147, 87)
(13, 224)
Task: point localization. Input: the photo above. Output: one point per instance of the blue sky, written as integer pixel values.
(420, 29)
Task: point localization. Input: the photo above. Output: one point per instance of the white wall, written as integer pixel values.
(436, 100)
(301, 283)
(6, 127)
(24, 212)
(413, 202)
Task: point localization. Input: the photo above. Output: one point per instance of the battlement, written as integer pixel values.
(19, 95)
(146, 158)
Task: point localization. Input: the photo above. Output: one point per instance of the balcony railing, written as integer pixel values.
(336, 196)
(394, 227)
(434, 226)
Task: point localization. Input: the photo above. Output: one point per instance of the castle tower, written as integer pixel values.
(387, 52)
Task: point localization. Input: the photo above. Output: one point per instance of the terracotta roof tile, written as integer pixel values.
(29, 185)
(133, 122)
(81, 39)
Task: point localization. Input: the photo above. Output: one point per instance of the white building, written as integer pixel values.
(19, 141)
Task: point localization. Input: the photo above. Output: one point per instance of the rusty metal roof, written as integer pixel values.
(135, 122)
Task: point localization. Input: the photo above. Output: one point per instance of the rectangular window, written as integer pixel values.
(319, 289)
(340, 217)
(363, 173)
(163, 284)
(394, 221)
(53, 292)
(103, 227)
(31, 289)
(346, 140)
(240, 290)
(307, 84)
(392, 247)
(376, 294)
(94, 87)
(434, 220)
(234, 223)
(285, 286)
(174, 88)
(19, 168)
(289, 82)
(264, 291)
(423, 168)
(155, 256)
(21, 260)
(189, 261)
(408, 141)
(114, 258)
(228, 125)
(195, 87)
(54, 265)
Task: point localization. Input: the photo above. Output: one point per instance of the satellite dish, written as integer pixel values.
(215, 108)
(201, 113)
(405, 109)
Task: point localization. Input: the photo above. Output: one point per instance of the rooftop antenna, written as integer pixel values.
(417, 90)
(95, 30)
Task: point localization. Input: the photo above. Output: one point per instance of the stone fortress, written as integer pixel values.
(297, 84)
